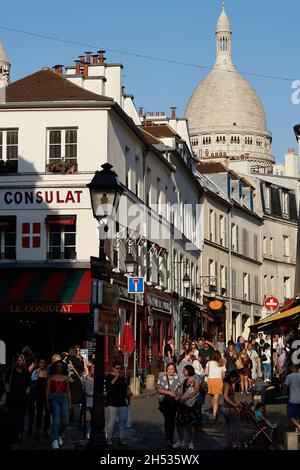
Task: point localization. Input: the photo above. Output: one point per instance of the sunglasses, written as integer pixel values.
(118, 367)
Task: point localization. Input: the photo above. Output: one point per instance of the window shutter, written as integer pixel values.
(233, 282)
(275, 202)
(255, 247)
(293, 213)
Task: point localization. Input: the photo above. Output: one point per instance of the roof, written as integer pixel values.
(160, 130)
(212, 167)
(46, 85)
(149, 137)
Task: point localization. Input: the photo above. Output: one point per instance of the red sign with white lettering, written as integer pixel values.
(271, 303)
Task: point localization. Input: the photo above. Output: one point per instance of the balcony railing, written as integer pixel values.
(9, 254)
(61, 255)
(8, 166)
(69, 166)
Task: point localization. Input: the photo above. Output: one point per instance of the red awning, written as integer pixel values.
(60, 219)
(38, 291)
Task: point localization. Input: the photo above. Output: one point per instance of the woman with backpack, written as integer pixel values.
(168, 387)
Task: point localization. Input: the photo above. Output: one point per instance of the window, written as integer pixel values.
(268, 198)
(287, 287)
(246, 286)
(62, 239)
(245, 242)
(63, 145)
(266, 290)
(285, 202)
(137, 179)
(233, 280)
(256, 289)
(222, 230)
(127, 162)
(271, 247)
(251, 200)
(9, 151)
(255, 247)
(211, 225)
(148, 193)
(7, 237)
(286, 247)
(265, 246)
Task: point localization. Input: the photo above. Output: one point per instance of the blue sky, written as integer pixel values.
(265, 40)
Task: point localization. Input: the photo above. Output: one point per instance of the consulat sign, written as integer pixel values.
(37, 198)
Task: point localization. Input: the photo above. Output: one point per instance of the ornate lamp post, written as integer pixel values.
(105, 193)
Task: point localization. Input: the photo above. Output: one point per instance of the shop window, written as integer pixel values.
(61, 238)
(7, 238)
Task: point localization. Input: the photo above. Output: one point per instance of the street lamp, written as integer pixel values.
(130, 264)
(186, 281)
(105, 192)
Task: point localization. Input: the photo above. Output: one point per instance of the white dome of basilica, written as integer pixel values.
(225, 115)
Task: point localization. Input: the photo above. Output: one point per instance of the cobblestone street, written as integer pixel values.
(147, 431)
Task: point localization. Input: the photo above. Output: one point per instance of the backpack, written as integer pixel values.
(203, 391)
(264, 358)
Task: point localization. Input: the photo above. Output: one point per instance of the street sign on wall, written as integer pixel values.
(271, 303)
(135, 285)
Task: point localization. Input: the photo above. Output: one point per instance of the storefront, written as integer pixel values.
(43, 308)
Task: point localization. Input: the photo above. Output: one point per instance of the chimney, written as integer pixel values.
(157, 113)
(151, 114)
(141, 111)
(95, 58)
(88, 57)
(123, 90)
(86, 70)
(101, 56)
(77, 67)
(81, 57)
(58, 69)
(173, 111)
(163, 113)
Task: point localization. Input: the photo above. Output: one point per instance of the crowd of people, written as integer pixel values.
(202, 369)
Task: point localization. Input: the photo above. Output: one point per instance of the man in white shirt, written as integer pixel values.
(293, 406)
(254, 359)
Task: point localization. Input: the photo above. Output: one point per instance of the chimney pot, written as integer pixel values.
(95, 58)
(88, 57)
(141, 111)
(173, 111)
(163, 113)
(86, 70)
(151, 114)
(157, 113)
(123, 90)
(58, 69)
(101, 56)
(77, 67)
(291, 150)
(81, 57)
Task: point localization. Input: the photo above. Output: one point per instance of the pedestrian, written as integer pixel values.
(215, 372)
(266, 362)
(89, 392)
(253, 356)
(186, 347)
(230, 357)
(77, 352)
(184, 360)
(194, 348)
(168, 387)
(245, 371)
(117, 392)
(75, 366)
(240, 344)
(17, 386)
(293, 407)
(37, 399)
(59, 401)
(168, 351)
(189, 412)
(230, 409)
(206, 353)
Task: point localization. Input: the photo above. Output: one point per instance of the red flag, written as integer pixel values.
(127, 342)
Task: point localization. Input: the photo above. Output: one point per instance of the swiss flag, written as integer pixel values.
(31, 235)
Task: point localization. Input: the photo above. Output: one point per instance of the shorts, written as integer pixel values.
(293, 410)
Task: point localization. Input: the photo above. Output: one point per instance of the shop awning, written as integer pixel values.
(40, 291)
(60, 219)
(287, 315)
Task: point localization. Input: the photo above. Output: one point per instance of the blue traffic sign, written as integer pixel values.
(135, 285)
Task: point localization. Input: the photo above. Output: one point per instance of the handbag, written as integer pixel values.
(168, 403)
(239, 364)
(190, 401)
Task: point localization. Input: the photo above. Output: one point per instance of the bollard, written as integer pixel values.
(291, 441)
(150, 382)
(137, 390)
